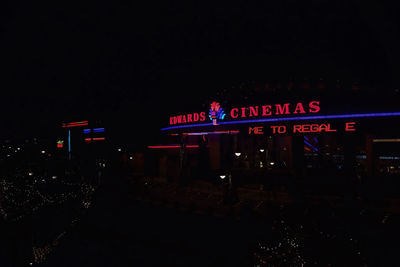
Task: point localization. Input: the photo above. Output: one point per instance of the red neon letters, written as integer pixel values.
(253, 111)
(350, 126)
(303, 128)
(187, 118)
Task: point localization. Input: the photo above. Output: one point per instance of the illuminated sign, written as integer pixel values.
(98, 130)
(216, 112)
(60, 144)
(302, 128)
(193, 117)
(294, 118)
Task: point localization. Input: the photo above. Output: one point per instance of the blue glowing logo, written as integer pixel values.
(216, 113)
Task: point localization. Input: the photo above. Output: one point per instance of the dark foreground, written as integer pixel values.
(119, 230)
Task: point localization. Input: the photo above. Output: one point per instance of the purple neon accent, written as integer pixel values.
(343, 116)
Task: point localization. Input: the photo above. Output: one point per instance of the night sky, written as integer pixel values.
(130, 61)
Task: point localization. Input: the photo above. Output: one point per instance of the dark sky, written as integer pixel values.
(63, 62)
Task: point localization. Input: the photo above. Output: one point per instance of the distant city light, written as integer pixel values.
(130, 157)
(119, 149)
(262, 150)
(43, 151)
(54, 177)
(272, 163)
(30, 173)
(222, 176)
(18, 148)
(238, 154)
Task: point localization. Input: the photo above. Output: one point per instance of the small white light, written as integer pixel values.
(43, 180)
(54, 177)
(119, 149)
(238, 154)
(130, 157)
(271, 163)
(222, 176)
(18, 148)
(104, 165)
(262, 150)
(30, 173)
(43, 151)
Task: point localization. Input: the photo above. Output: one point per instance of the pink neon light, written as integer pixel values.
(173, 146)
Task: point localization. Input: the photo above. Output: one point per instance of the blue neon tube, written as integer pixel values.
(320, 117)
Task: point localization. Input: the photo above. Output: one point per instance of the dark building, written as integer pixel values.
(317, 139)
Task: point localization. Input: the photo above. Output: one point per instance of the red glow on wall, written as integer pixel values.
(74, 124)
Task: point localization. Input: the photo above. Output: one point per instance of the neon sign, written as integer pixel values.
(302, 128)
(318, 117)
(216, 112)
(60, 144)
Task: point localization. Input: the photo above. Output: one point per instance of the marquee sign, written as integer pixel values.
(302, 128)
(217, 113)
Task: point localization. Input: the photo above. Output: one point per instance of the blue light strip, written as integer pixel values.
(69, 141)
(86, 131)
(321, 117)
(98, 130)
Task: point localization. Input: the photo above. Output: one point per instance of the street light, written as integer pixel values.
(238, 154)
(262, 150)
(222, 176)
